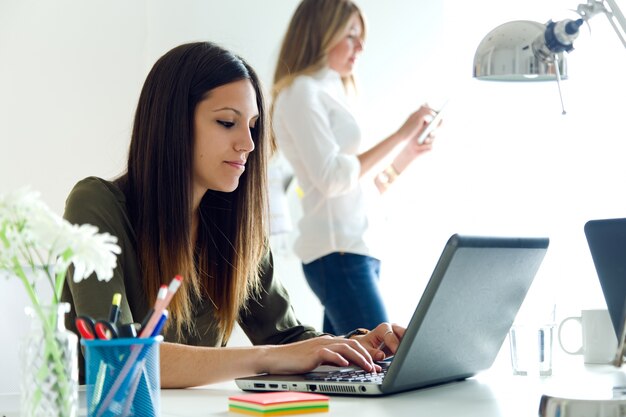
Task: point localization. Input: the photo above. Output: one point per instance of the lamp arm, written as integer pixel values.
(610, 9)
(615, 15)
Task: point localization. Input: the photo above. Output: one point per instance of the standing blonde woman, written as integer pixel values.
(317, 132)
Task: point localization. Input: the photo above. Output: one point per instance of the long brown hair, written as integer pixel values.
(223, 265)
(315, 28)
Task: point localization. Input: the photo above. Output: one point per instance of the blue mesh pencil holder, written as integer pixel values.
(123, 377)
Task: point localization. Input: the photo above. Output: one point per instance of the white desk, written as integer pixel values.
(489, 394)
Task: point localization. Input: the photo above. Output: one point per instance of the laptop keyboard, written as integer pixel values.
(350, 375)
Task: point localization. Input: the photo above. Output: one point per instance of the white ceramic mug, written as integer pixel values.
(599, 343)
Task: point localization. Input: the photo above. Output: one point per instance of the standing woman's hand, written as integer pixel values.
(413, 148)
(409, 131)
(415, 123)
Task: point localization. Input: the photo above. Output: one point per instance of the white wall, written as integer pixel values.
(506, 161)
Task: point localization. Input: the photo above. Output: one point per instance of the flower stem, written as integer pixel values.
(49, 324)
(17, 268)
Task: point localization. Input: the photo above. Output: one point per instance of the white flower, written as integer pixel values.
(93, 252)
(35, 242)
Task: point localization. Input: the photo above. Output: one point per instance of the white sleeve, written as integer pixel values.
(305, 119)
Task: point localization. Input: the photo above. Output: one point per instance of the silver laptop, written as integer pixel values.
(456, 331)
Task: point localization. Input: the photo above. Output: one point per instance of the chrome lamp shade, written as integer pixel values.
(513, 52)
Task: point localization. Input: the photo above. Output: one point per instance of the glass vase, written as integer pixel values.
(49, 364)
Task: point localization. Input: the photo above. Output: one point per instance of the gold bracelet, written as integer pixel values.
(388, 176)
(391, 173)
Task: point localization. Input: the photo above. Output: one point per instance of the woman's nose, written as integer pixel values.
(359, 45)
(245, 142)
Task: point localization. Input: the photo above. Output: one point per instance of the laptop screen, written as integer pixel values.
(458, 326)
(607, 243)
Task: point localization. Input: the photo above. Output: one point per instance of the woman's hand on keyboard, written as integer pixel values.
(304, 356)
(383, 341)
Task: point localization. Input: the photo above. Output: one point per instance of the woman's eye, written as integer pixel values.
(226, 124)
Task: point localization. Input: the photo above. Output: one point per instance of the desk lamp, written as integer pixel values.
(522, 51)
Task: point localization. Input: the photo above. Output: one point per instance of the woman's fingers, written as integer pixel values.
(398, 330)
(356, 353)
(384, 339)
(416, 122)
(342, 354)
(328, 356)
(304, 356)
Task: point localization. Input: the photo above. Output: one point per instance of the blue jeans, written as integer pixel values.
(347, 286)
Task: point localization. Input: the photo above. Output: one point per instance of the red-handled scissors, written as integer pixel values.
(90, 329)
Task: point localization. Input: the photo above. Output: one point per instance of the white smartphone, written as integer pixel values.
(432, 125)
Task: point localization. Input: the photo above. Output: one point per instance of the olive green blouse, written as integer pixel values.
(268, 319)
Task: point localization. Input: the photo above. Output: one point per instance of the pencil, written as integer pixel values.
(131, 361)
(161, 305)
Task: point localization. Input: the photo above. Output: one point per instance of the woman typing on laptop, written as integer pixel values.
(193, 202)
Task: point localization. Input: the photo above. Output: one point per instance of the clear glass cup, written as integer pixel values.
(531, 349)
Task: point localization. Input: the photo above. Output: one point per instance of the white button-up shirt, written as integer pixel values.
(319, 135)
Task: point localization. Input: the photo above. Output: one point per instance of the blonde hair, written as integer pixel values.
(315, 28)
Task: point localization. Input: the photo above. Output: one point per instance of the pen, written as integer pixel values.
(160, 296)
(114, 313)
(161, 305)
(146, 319)
(160, 324)
(132, 391)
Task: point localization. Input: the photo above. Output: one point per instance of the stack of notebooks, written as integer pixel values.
(278, 403)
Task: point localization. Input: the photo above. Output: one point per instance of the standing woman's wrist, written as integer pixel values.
(404, 158)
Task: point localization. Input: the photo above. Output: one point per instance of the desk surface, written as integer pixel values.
(489, 394)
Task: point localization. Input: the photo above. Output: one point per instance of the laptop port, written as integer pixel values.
(284, 386)
(259, 385)
(311, 387)
(273, 385)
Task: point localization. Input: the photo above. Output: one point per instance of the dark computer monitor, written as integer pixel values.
(607, 243)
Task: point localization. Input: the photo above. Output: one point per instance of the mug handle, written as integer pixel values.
(580, 322)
